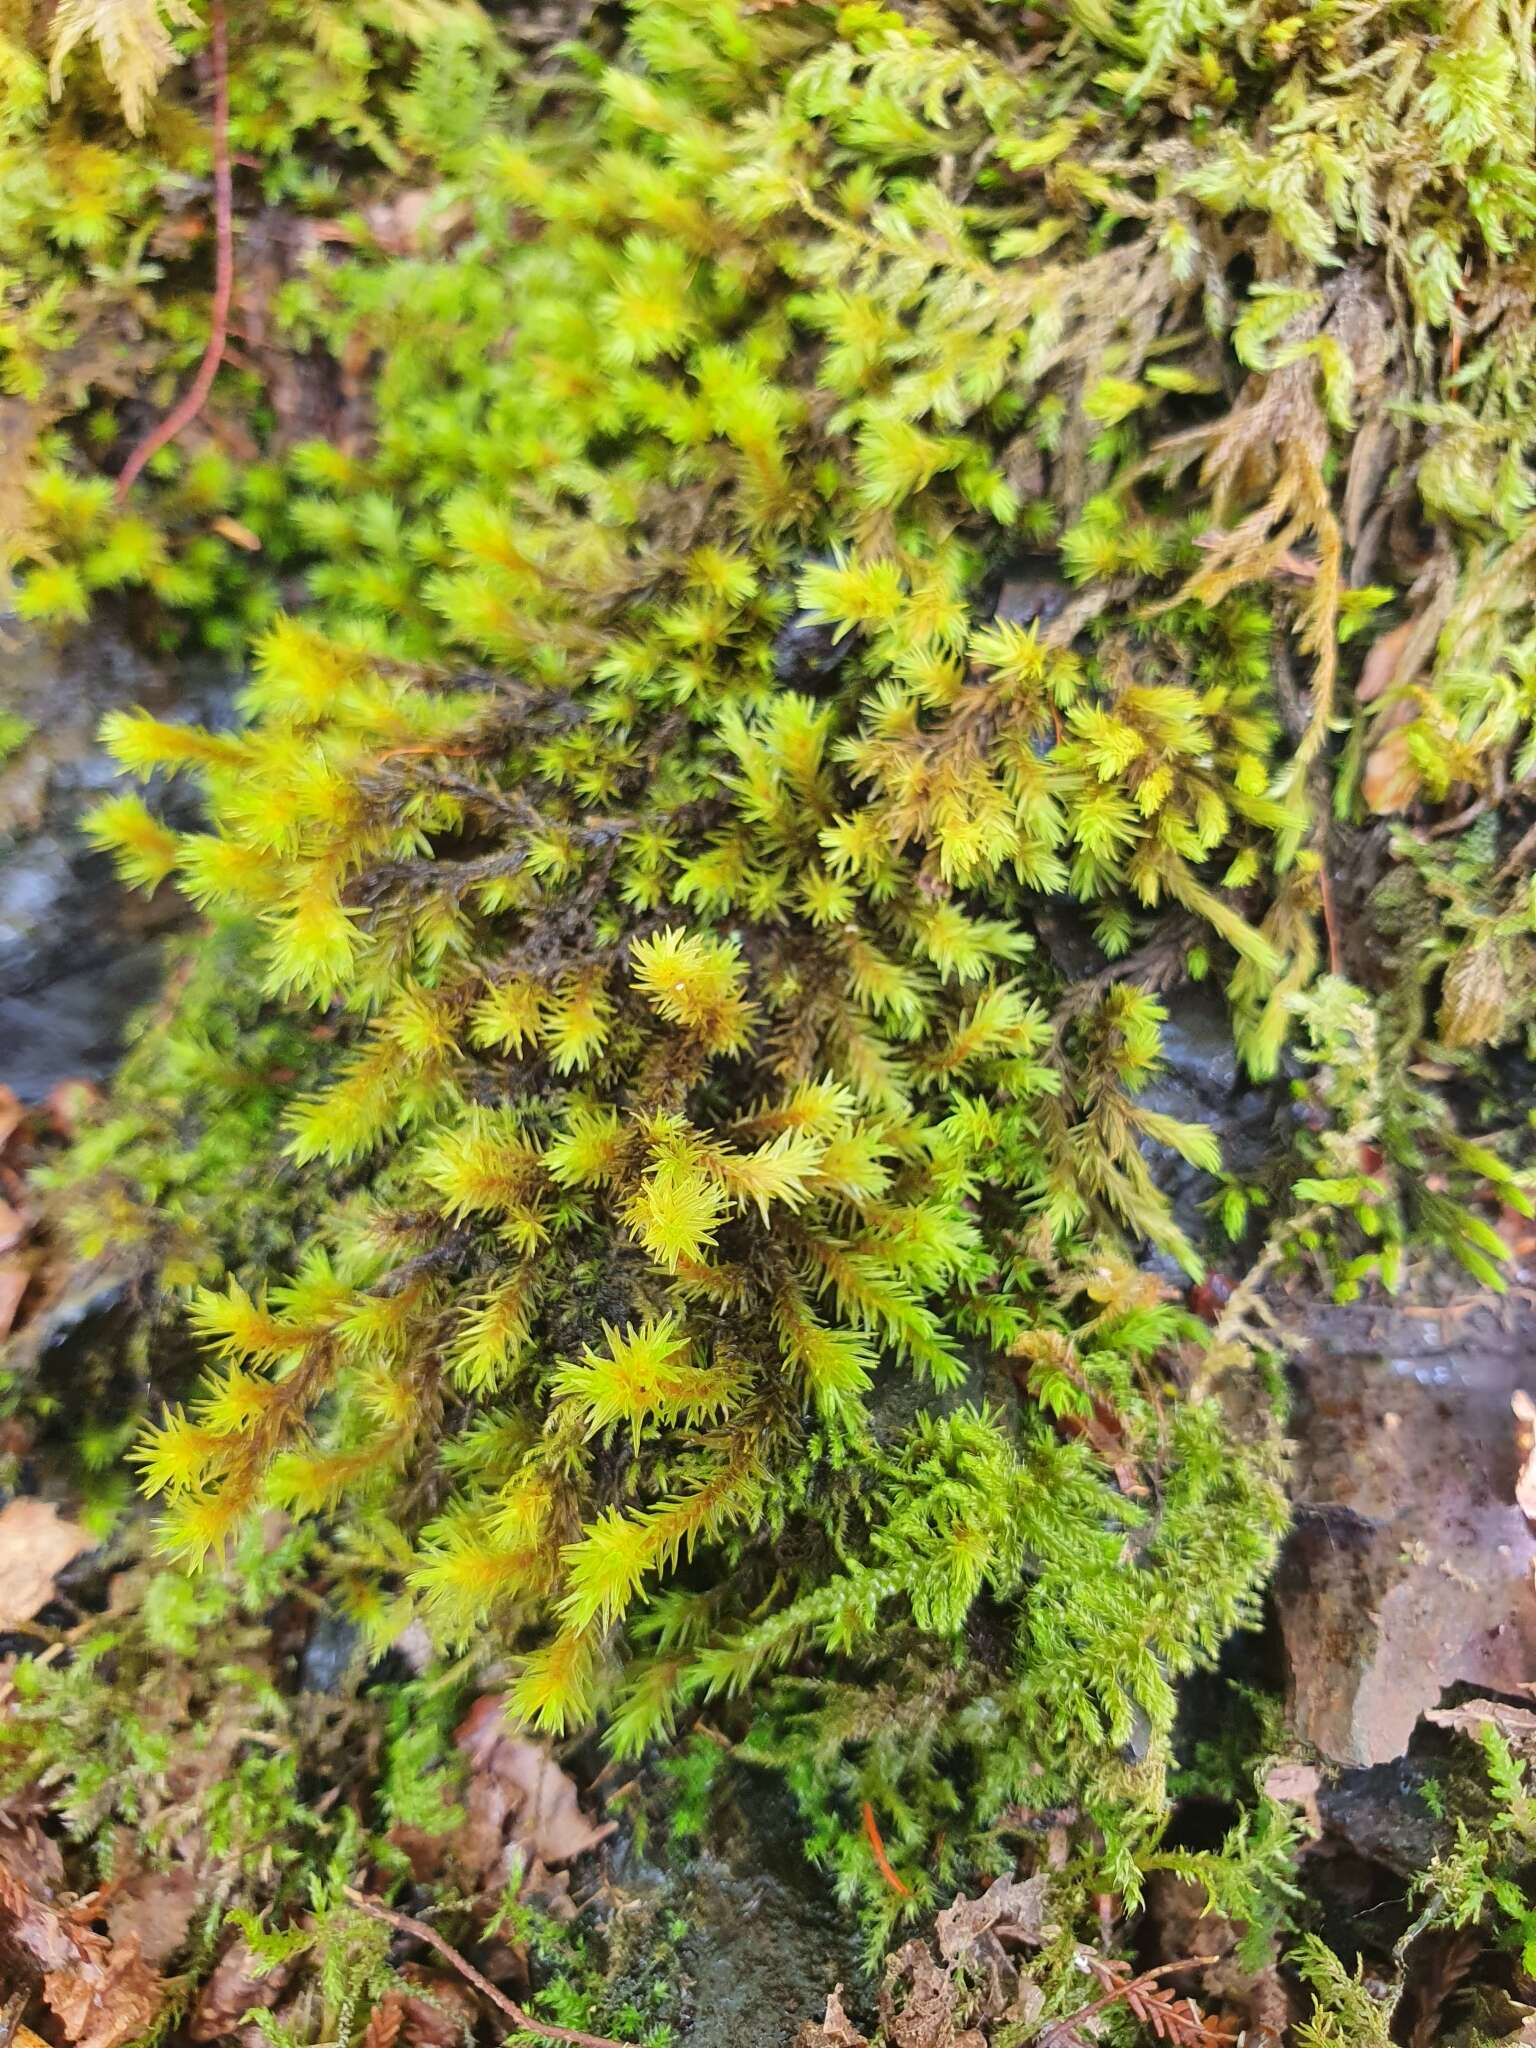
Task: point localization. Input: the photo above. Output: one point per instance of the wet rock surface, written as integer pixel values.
(78, 953)
(766, 1939)
(1383, 1814)
(1410, 1566)
(1201, 1082)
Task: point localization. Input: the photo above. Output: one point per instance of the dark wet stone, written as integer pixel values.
(71, 1025)
(1409, 1568)
(1383, 1815)
(1068, 939)
(1031, 596)
(78, 953)
(807, 656)
(1201, 1082)
(1138, 1744)
(766, 1939)
(329, 1654)
(76, 1339)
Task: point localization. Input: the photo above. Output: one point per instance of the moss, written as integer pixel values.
(180, 1176)
(712, 1263)
(15, 731)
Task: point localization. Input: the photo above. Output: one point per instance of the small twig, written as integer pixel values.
(1489, 801)
(420, 1931)
(183, 413)
(10, 2016)
(872, 1829)
(1512, 865)
(1330, 921)
(55, 1650)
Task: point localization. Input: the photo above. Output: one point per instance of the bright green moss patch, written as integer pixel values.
(725, 1264)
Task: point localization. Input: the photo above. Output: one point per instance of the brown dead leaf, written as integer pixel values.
(34, 1937)
(12, 1113)
(437, 2012)
(233, 1990)
(15, 1278)
(518, 1792)
(418, 222)
(1391, 780)
(984, 1936)
(13, 1226)
(1474, 1003)
(36, 1543)
(1386, 658)
(1014, 1907)
(1525, 1442)
(1517, 1724)
(834, 2030)
(31, 1857)
(238, 535)
(101, 1992)
(919, 2006)
(106, 1995)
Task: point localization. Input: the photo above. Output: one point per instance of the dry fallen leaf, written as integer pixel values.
(919, 2003)
(1525, 1442)
(106, 1995)
(1517, 1724)
(27, 1855)
(532, 1794)
(1015, 1905)
(33, 1936)
(438, 2012)
(1381, 665)
(232, 1991)
(1391, 779)
(15, 1278)
(36, 1543)
(835, 2029)
(102, 1993)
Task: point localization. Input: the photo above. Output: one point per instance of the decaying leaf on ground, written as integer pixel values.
(236, 1986)
(36, 1543)
(542, 1809)
(1516, 1724)
(522, 1815)
(101, 1992)
(833, 2030)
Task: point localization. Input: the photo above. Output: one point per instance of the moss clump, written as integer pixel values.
(180, 1177)
(722, 1273)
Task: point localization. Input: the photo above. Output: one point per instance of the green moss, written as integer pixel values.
(180, 1177)
(15, 731)
(707, 1267)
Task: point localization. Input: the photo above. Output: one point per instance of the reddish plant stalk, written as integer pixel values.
(196, 394)
(872, 1830)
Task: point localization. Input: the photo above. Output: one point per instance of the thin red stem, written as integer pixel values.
(872, 1830)
(196, 395)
